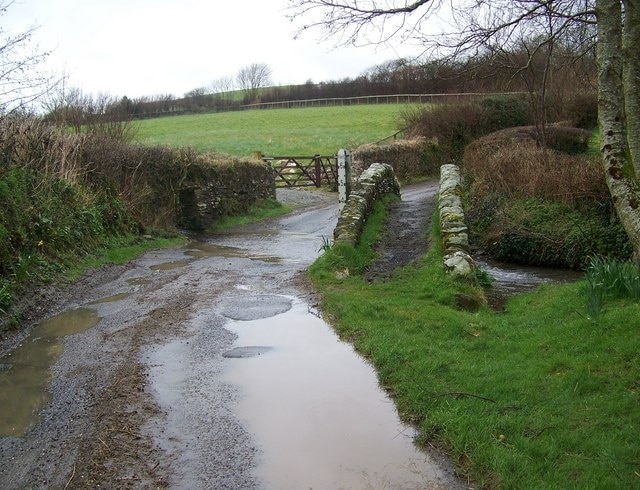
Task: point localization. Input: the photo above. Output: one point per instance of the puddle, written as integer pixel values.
(111, 299)
(138, 281)
(167, 266)
(204, 250)
(23, 385)
(317, 412)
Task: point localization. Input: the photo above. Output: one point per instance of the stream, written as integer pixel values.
(510, 279)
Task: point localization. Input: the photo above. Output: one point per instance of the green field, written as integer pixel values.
(275, 132)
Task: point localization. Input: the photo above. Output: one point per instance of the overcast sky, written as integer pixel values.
(149, 47)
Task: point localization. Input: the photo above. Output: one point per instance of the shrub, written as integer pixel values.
(61, 219)
(539, 206)
(581, 110)
(539, 231)
(510, 162)
(452, 125)
(573, 141)
(410, 158)
(504, 112)
(455, 125)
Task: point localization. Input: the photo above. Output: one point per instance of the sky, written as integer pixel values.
(150, 47)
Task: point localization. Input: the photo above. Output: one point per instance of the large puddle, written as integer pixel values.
(25, 372)
(203, 250)
(317, 412)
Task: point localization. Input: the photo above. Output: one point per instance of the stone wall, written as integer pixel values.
(375, 182)
(411, 158)
(212, 190)
(453, 230)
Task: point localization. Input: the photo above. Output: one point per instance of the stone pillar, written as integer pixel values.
(344, 177)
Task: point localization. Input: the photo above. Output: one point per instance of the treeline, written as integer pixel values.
(490, 72)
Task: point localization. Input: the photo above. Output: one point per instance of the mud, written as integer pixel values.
(147, 398)
(407, 231)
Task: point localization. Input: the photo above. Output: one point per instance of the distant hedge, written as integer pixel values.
(409, 158)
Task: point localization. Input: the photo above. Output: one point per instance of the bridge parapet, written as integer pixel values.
(453, 229)
(375, 182)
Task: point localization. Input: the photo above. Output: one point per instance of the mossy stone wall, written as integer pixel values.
(453, 229)
(210, 191)
(375, 182)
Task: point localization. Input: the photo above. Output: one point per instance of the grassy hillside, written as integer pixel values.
(295, 132)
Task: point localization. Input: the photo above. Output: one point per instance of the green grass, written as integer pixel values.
(539, 396)
(277, 132)
(258, 212)
(594, 144)
(120, 250)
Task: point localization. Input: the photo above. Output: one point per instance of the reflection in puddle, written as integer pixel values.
(203, 250)
(317, 412)
(246, 352)
(23, 385)
(111, 299)
(167, 266)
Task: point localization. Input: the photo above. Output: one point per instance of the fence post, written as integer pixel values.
(318, 161)
(344, 177)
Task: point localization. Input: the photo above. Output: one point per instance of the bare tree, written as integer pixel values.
(471, 27)
(253, 77)
(102, 114)
(22, 78)
(222, 85)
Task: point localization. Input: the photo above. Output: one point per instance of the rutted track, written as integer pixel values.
(141, 400)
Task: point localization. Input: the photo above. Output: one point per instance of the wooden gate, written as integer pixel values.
(304, 171)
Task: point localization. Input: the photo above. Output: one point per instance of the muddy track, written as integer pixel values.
(407, 230)
(143, 400)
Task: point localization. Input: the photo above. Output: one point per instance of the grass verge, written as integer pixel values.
(121, 250)
(539, 396)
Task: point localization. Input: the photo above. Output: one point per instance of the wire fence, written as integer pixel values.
(376, 99)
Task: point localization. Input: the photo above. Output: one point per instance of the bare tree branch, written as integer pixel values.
(22, 78)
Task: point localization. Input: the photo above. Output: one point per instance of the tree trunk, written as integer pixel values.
(631, 79)
(618, 168)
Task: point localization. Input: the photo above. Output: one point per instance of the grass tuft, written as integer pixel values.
(614, 279)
